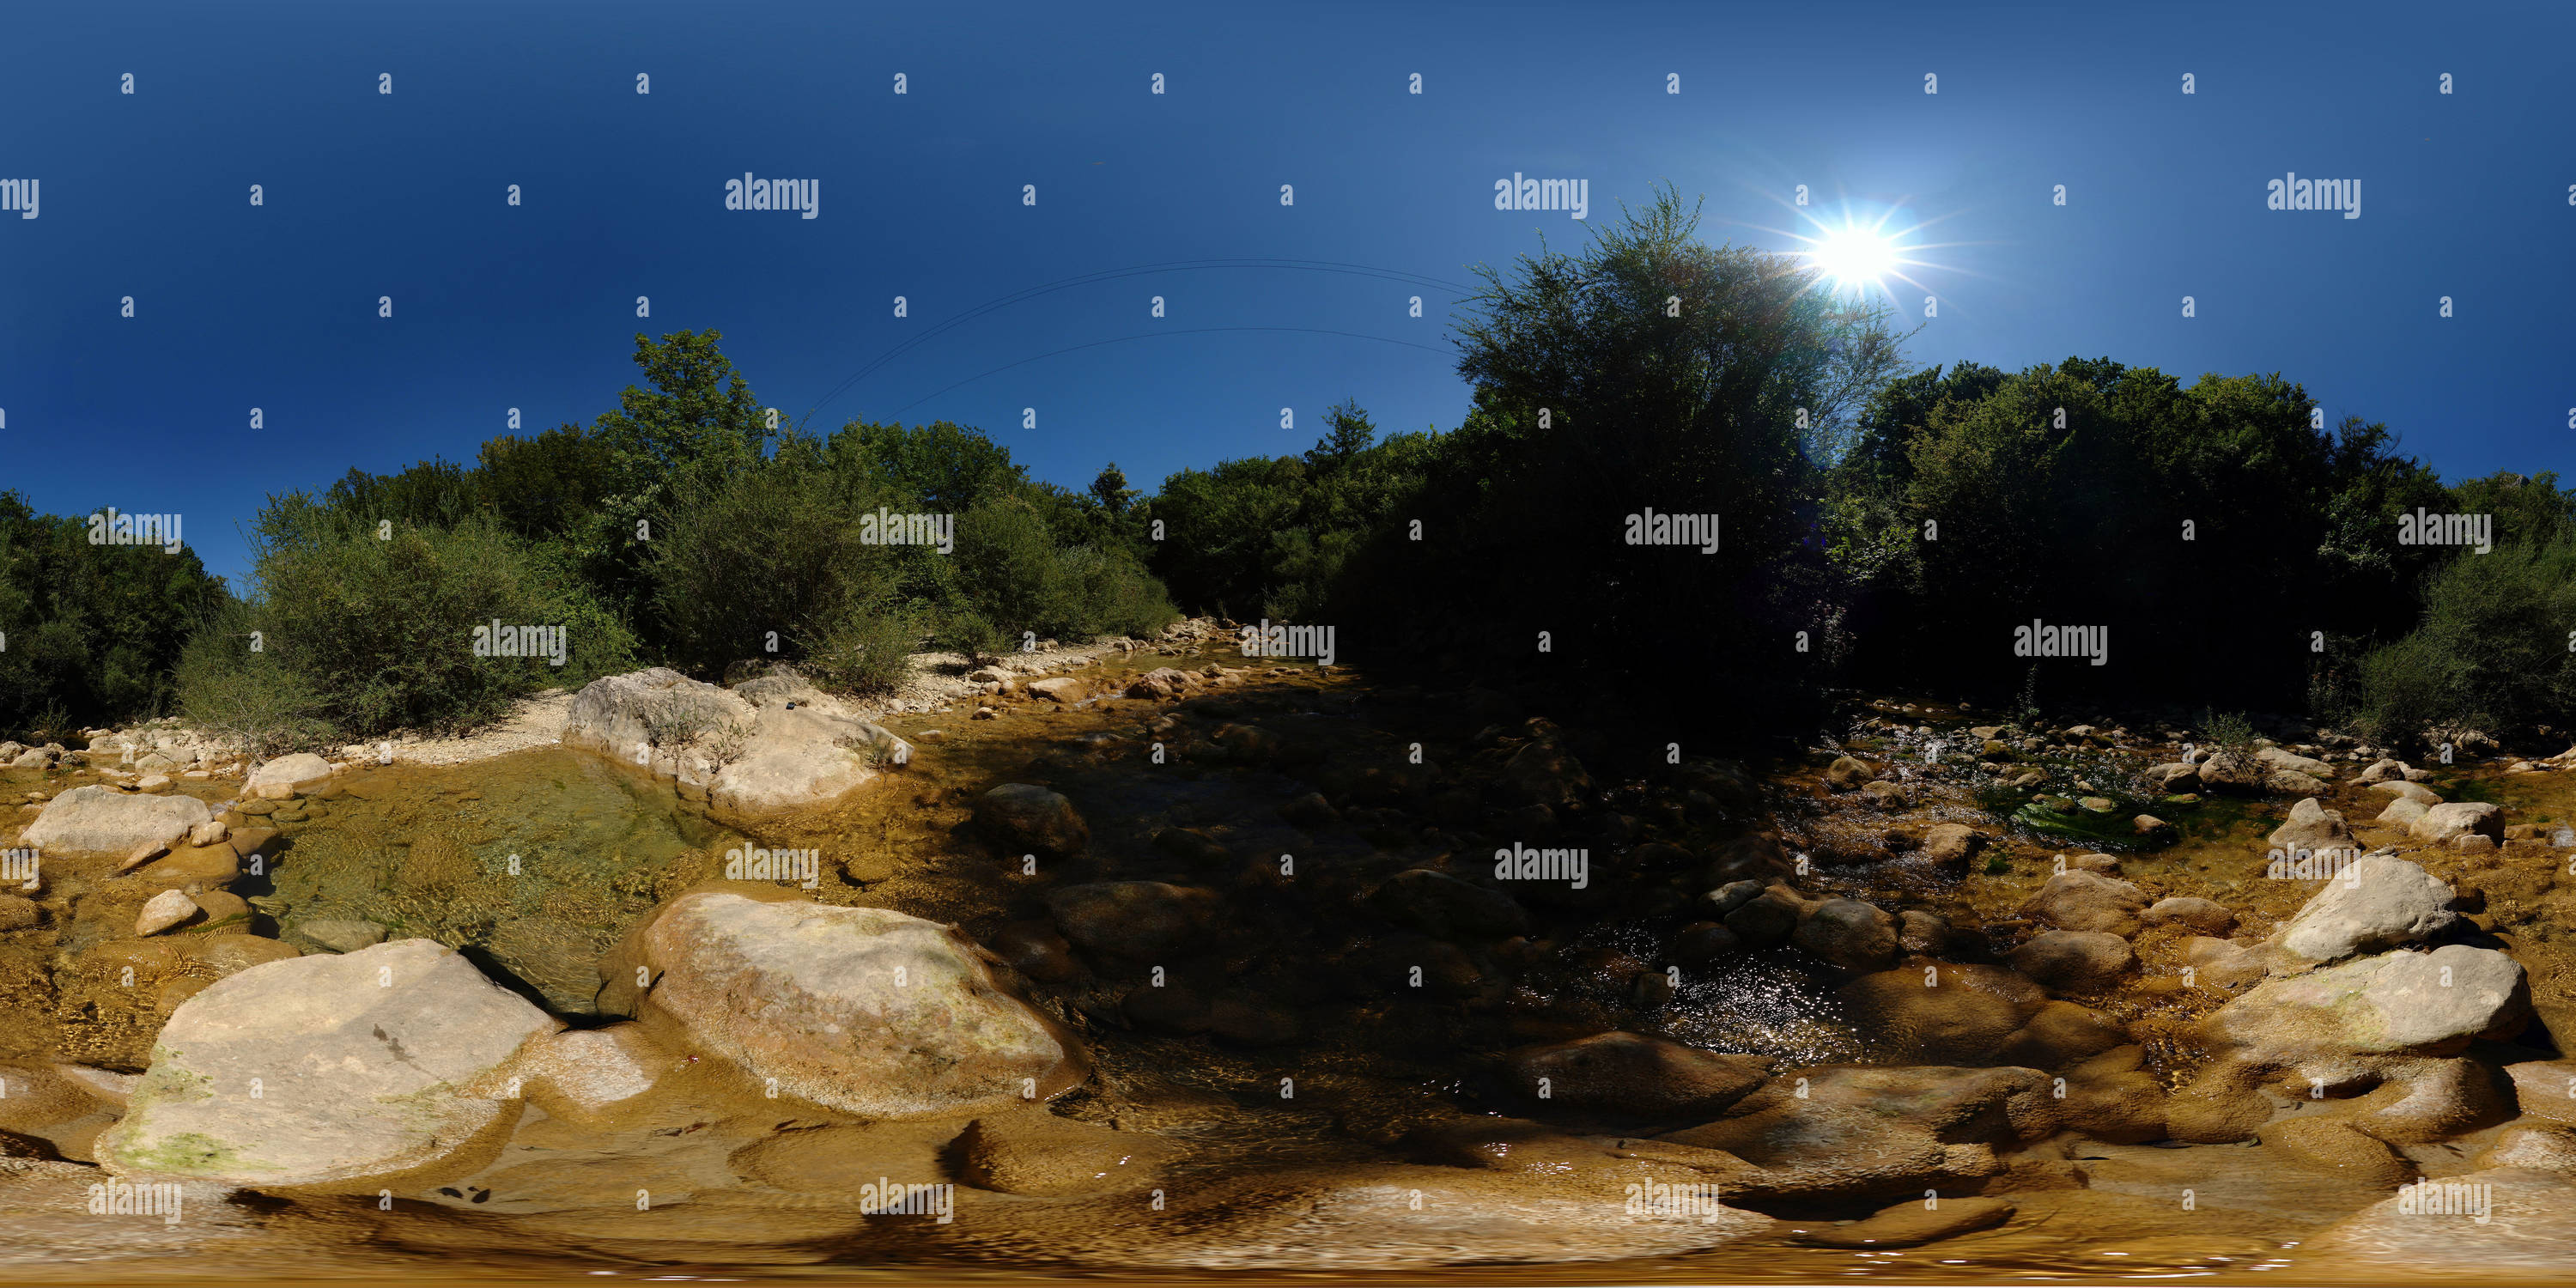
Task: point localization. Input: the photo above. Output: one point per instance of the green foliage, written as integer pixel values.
(2492, 651)
(774, 548)
(867, 655)
(92, 630)
(382, 629)
(225, 687)
(2210, 527)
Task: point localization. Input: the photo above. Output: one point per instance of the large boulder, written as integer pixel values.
(2311, 826)
(2443, 824)
(288, 776)
(744, 758)
(862, 1010)
(103, 820)
(2376, 904)
(1631, 1076)
(2400, 1003)
(2078, 900)
(327, 1071)
(1841, 1133)
(1951, 845)
(1024, 817)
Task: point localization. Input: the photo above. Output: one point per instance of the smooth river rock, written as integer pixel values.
(103, 820)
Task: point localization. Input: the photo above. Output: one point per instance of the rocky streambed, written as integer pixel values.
(1173, 960)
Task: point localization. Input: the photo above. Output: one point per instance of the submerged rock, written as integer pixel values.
(288, 776)
(1912, 1222)
(1025, 817)
(2075, 961)
(1036, 1152)
(2078, 900)
(863, 1010)
(1136, 919)
(326, 1071)
(1631, 1075)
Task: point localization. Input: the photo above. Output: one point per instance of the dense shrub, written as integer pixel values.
(382, 629)
(2492, 652)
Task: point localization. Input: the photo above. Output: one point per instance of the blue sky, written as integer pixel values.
(403, 195)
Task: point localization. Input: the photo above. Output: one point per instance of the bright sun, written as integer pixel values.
(1854, 256)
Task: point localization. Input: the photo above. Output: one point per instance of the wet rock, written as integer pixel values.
(2103, 864)
(2335, 1145)
(103, 820)
(2222, 965)
(1768, 917)
(231, 954)
(1445, 907)
(1631, 1076)
(1313, 813)
(1192, 846)
(1697, 945)
(164, 910)
(1142, 920)
(210, 832)
(2115, 1097)
(362, 1079)
(2510, 1222)
(2075, 961)
(1545, 773)
(2406, 791)
(2441, 824)
(862, 1010)
(1173, 1009)
(2545, 1089)
(1034, 949)
(195, 869)
(1161, 682)
(2401, 1003)
(1847, 774)
(1913, 1223)
(1248, 1020)
(2311, 826)
(2147, 827)
(1869, 1132)
(2403, 813)
(2085, 901)
(2424, 1101)
(288, 776)
(2541, 1146)
(340, 935)
(2202, 916)
(1023, 817)
(1063, 689)
(1726, 782)
(2381, 771)
(587, 1076)
(1949, 1014)
(2287, 762)
(1883, 795)
(2378, 903)
(1848, 933)
(1038, 1153)
(1921, 932)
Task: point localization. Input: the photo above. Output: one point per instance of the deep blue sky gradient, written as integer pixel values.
(2465, 195)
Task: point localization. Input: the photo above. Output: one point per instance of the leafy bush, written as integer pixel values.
(383, 629)
(769, 549)
(970, 634)
(251, 697)
(867, 655)
(92, 630)
(2491, 652)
